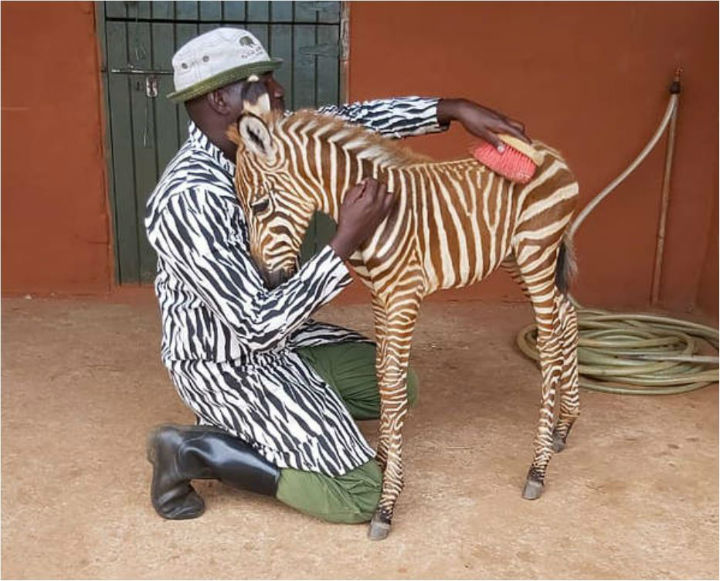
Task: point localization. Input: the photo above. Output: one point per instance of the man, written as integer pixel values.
(274, 392)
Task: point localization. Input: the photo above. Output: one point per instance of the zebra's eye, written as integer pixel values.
(260, 206)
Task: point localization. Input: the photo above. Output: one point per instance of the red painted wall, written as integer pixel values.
(590, 79)
(587, 78)
(55, 225)
(707, 298)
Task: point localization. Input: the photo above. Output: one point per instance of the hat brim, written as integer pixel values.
(225, 78)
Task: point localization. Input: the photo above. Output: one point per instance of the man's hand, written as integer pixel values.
(365, 206)
(479, 121)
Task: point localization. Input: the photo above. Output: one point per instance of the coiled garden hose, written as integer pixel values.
(637, 354)
(631, 353)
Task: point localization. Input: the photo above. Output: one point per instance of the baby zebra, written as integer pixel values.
(454, 223)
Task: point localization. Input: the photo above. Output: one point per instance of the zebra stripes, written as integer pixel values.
(454, 223)
(227, 341)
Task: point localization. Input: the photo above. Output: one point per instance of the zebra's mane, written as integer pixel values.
(354, 139)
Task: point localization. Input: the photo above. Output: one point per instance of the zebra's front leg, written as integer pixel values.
(393, 475)
(380, 316)
(394, 355)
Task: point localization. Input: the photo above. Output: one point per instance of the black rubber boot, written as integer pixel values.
(181, 453)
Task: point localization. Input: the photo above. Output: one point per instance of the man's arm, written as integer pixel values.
(196, 236)
(407, 116)
(399, 117)
(192, 237)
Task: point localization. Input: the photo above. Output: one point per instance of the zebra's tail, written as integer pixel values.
(566, 267)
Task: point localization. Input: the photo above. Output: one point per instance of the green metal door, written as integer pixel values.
(144, 129)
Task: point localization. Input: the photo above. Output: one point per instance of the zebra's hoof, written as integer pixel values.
(533, 489)
(379, 527)
(558, 444)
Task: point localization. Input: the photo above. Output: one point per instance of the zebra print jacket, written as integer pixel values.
(226, 338)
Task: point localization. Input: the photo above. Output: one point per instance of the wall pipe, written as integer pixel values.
(665, 197)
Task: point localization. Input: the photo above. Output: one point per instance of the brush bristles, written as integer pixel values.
(510, 164)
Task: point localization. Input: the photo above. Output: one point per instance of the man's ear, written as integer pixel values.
(254, 135)
(217, 101)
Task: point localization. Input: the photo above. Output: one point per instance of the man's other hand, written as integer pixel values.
(364, 207)
(479, 121)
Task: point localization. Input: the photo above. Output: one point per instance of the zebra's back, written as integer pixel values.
(456, 222)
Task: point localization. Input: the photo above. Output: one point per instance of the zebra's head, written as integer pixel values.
(275, 201)
(289, 167)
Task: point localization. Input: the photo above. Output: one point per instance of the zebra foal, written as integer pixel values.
(454, 223)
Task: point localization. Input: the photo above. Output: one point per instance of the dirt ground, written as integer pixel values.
(635, 494)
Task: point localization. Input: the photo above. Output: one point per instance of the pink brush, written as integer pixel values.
(517, 163)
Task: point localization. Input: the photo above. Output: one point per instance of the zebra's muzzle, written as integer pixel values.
(275, 278)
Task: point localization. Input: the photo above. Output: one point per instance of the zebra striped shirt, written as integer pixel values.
(227, 341)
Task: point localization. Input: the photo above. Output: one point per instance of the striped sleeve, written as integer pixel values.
(194, 237)
(398, 117)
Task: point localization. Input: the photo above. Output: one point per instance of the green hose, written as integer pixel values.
(637, 354)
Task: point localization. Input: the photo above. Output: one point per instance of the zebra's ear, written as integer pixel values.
(256, 99)
(233, 134)
(254, 135)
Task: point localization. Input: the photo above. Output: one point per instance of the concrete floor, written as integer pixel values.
(635, 495)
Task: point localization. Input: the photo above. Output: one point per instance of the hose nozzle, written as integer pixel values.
(675, 87)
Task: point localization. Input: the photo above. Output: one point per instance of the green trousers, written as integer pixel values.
(349, 368)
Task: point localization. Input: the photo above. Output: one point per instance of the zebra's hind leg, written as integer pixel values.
(537, 267)
(534, 486)
(569, 387)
